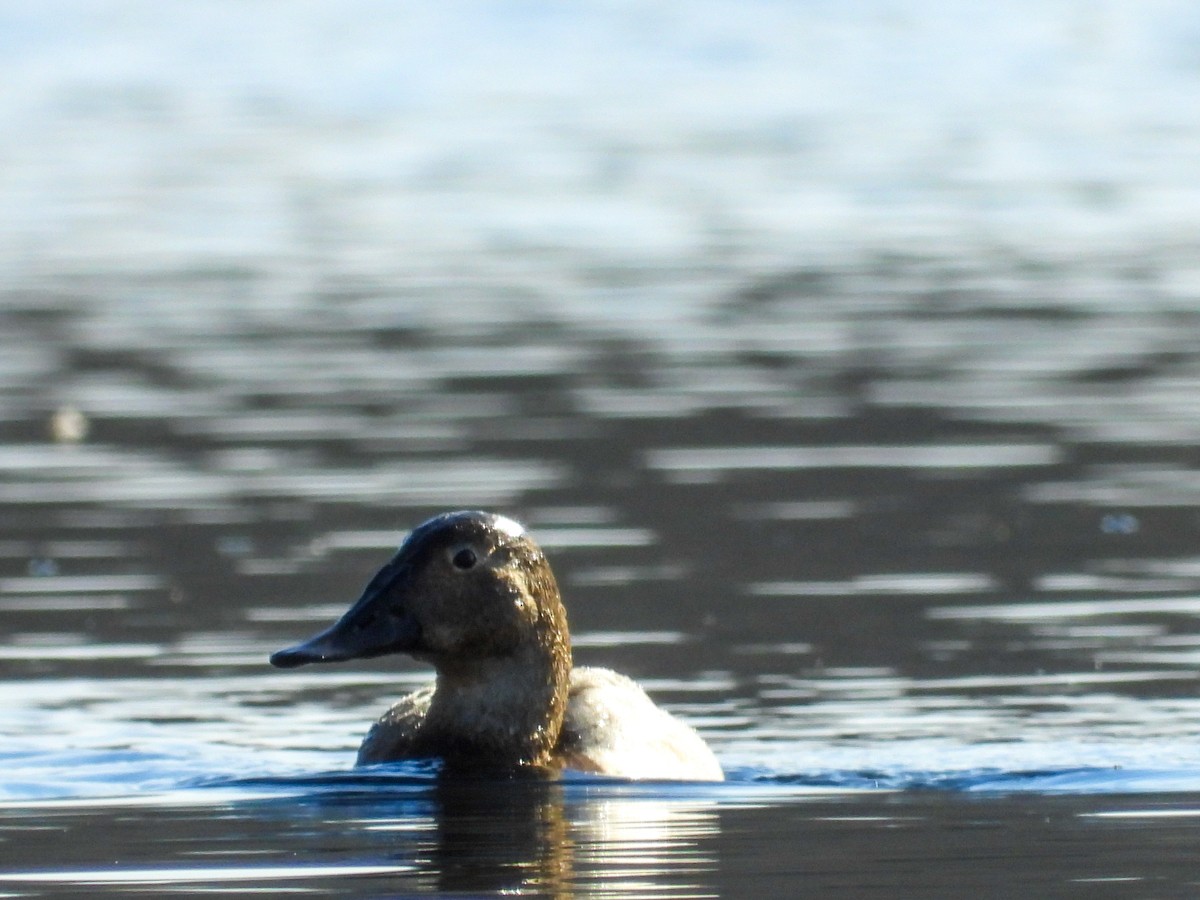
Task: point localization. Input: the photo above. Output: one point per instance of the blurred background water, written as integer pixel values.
(843, 357)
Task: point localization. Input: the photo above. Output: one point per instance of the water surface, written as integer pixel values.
(858, 424)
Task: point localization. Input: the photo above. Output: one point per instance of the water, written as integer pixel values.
(843, 361)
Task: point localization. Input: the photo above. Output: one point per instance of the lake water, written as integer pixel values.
(843, 360)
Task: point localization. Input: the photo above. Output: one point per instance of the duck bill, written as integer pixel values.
(371, 627)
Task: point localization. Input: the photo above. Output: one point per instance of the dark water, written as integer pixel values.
(555, 840)
(937, 620)
(857, 415)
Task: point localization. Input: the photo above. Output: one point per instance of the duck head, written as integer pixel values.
(464, 588)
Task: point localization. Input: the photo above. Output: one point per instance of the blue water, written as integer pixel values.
(113, 738)
(475, 140)
(842, 357)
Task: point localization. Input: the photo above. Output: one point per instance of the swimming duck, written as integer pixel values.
(472, 594)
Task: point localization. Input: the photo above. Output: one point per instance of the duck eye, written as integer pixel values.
(464, 558)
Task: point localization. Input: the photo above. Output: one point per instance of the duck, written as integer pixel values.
(472, 594)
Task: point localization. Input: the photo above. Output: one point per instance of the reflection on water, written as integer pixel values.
(162, 879)
(408, 837)
(408, 832)
(513, 837)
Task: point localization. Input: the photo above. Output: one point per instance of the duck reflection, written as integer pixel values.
(646, 845)
(499, 835)
(567, 839)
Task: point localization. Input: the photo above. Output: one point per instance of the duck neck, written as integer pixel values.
(503, 711)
